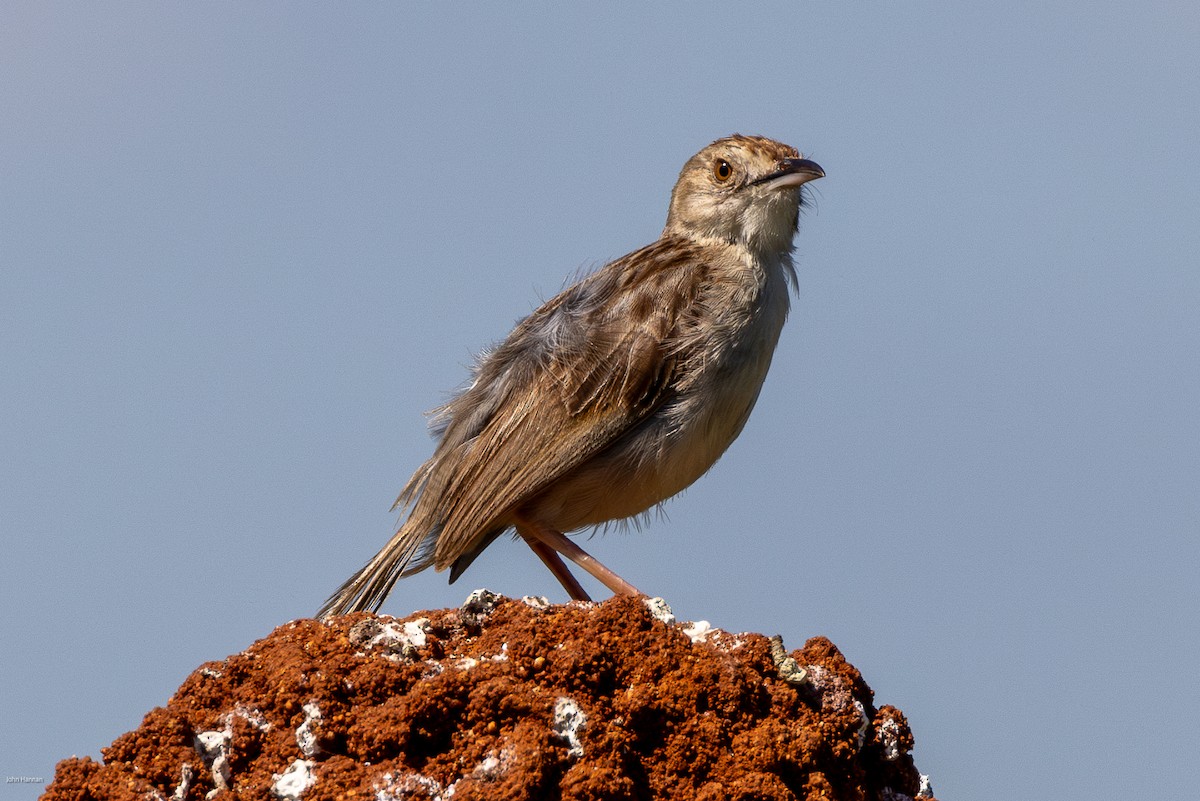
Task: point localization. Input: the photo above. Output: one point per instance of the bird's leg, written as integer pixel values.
(547, 537)
(554, 562)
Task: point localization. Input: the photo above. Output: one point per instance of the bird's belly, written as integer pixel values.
(661, 457)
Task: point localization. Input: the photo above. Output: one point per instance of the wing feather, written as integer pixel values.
(572, 378)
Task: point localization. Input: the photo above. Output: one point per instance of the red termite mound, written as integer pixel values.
(512, 699)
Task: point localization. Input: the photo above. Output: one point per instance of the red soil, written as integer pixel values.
(504, 699)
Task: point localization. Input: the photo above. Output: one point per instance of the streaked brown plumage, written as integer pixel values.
(617, 393)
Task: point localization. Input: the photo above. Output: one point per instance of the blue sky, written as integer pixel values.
(245, 247)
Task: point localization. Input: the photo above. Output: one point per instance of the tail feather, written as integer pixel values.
(409, 551)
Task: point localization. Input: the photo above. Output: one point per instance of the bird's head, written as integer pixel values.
(743, 190)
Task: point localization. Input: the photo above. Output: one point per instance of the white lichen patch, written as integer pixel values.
(818, 677)
(699, 631)
(468, 662)
(889, 738)
(409, 785)
(213, 747)
(569, 719)
(717, 638)
(414, 632)
(834, 691)
(494, 765)
(660, 610)
(398, 641)
(404, 637)
(186, 775)
(836, 694)
(295, 781)
(306, 737)
(478, 606)
(251, 716)
(481, 597)
(861, 734)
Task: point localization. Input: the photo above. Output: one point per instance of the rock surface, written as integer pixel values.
(512, 699)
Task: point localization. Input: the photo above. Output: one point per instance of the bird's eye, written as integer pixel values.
(722, 171)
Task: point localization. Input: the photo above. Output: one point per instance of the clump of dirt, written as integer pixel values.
(512, 699)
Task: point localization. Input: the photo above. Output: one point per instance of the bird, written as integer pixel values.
(617, 393)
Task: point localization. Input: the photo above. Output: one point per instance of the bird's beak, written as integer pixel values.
(792, 173)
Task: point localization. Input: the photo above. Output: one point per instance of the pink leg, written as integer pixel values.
(555, 541)
(551, 559)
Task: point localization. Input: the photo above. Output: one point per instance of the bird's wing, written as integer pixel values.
(571, 378)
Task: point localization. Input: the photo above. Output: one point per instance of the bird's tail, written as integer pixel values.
(409, 551)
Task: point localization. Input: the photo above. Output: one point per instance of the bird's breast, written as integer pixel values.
(709, 415)
(716, 390)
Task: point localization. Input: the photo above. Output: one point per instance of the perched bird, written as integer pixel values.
(617, 393)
